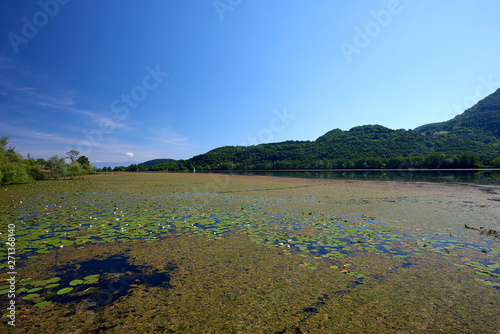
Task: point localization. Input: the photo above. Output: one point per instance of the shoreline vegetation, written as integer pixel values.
(363, 170)
(15, 169)
(468, 141)
(435, 161)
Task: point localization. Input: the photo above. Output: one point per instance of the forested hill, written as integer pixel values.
(155, 162)
(369, 146)
(483, 117)
(477, 131)
(460, 142)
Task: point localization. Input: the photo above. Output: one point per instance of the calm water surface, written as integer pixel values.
(489, 177)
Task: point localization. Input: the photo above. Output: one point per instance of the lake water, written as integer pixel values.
(262, 255)
(489, 177)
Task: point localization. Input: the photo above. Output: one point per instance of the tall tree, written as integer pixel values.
(13, 167)
(83, 160)
(58, 165)
(75, 169)
(72, 155)
(3, 142)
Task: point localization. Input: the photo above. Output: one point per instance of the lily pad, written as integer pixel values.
(31, 296)
(38, 300)
(490, 283)
(50, 286)
(400, 256)
(39, 283)
(54, 280)
(64, 291)
(358, 275)
(34, 290)
(43, 304)
(76, 282)
(91, 280)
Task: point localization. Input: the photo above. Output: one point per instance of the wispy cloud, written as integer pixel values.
(35, 135)
(33, 97)
(64, 101)
(6, 63)
(23, 88)
(168, 143)
(180, 141)
(35, 93)
(43, 116)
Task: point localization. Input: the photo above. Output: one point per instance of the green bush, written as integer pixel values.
(495, 162)
(14, 173)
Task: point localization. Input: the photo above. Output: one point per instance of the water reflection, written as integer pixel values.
(491, 177)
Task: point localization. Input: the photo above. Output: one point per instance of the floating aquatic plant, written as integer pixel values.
(30, 296)
(64, 290)
(43, 304)
(76, 282)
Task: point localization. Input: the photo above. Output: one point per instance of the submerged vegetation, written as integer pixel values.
(272, 255)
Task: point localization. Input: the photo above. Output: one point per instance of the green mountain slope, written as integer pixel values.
(338, 149)
(154, 162)
(483, 117)
(445, 144)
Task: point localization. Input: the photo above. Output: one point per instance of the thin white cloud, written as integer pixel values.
(24, 87)
(34, 97)
(6, 63)
(64, 103)
(28, 93)
(165, 142)
(35, 135)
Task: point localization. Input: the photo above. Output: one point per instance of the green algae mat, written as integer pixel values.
(201, 253)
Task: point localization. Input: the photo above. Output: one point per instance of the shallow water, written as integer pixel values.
(191, 247)
(490, 177)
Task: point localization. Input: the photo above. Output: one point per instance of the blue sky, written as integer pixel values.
(139, 80)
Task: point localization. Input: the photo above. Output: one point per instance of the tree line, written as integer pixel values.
(431, 161)
(14, 168)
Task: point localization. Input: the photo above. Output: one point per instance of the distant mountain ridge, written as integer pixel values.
(155, 162)
(484, 116)
(476, 132)
(112, 164)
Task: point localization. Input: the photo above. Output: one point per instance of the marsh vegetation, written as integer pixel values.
(206, 253)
